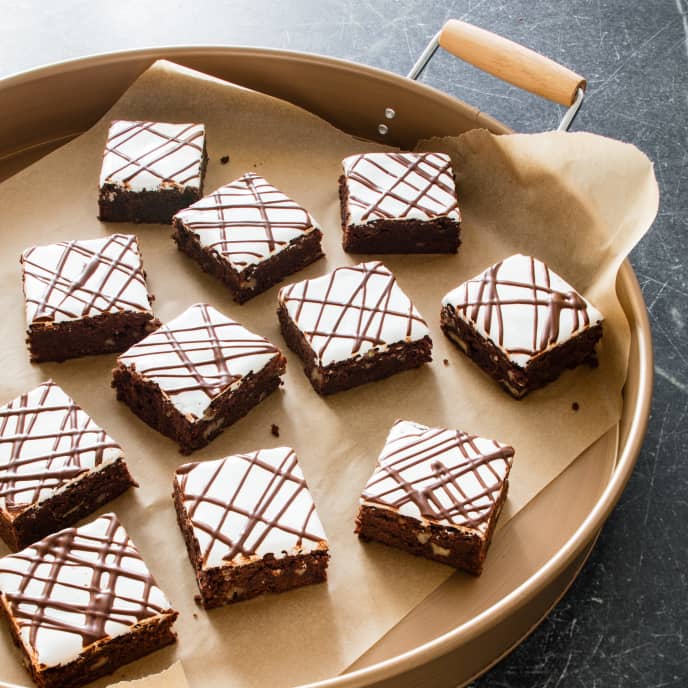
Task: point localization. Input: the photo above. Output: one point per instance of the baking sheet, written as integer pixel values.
(578, 201)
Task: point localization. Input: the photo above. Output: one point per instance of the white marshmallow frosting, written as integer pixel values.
(460, 476)
(142, 156)
(258, 502)
(522, 307)
(65, 581)
(403, 186)
(197, 356)
(351, 311)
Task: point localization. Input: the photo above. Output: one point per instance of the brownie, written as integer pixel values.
(196, 375)
(81, 603)
(56, 465)
(250, 525)
(436, 493)
(249, 235)
(399, 203)
(352, 326)
(85, 297)
(151, 170)
(521, 323)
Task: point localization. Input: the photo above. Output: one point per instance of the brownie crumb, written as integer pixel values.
(445, 361)
(274, 429)
(575, 406)
(224, 159)
(195, 616)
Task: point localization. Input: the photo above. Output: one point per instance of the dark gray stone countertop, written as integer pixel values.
(624, 621)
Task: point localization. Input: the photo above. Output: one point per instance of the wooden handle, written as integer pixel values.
(511, 62)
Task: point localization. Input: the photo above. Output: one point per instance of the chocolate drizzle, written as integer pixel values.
(46, 441)
(198, 355)
(522, 306)
(89, 582)
(75, 279)
(354, 308)
(443, 476)
(170, 154)
(400, 185)
(246, 221)
(249, 505)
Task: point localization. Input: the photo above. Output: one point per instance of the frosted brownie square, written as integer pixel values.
(249, 235)
(436, 493)
(250, 525)
(196, 375)
(81, 603)
(399, 203)
(522, 323)
(353, 326)
(56, 465)
(151, 170)
(85, 297)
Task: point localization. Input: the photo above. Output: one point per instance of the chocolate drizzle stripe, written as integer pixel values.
(153, 155)
(168, 353)
(369, 301)
(284, 485)
(438, 460)
(75, 445)
(249, 213)
(423, 197)
(103, 548)
(490, 293)
(90, 290)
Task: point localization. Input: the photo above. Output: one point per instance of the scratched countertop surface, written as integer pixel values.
(624, 621)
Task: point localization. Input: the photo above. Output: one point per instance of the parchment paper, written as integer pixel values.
(578, 201)
(174, 677)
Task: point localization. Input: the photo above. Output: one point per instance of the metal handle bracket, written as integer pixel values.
(513, 56)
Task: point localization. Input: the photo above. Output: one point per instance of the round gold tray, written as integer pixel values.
(450, 637)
